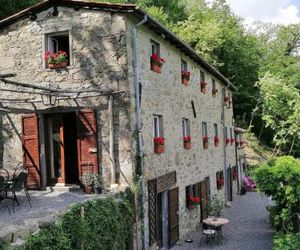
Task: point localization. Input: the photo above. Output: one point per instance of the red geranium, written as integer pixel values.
(227, 140)
(187, 138)
(197, 200)
(186, 74)
(191, 198)
(232, 140)
(220, 182)
(226, 99)
(56, 58)
(157, 59)
(203, 84)
(205, 139)
(159, 140)
(216, 139)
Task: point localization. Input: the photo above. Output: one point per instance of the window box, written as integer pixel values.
(216, 141)
(214, 92)
(232, 140)
(220, 183)
(187, 143)
(185, 77)
(234, 175)
(159, 145)
(203, 86)
(205, 142)
(156, 63)
(57, 60)
(193, 201)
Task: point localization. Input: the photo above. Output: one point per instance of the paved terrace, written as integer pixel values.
(46, 207)
(248, 228)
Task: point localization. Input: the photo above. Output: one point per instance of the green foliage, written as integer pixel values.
(279, 179)
(9, 7)
(286, 241)
(215, 206)
(96, 224)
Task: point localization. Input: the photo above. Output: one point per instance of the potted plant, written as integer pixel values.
(97, 183)
(205, 142)
(159, 145)
(203, 86)
(156, 63)
(57, 60)
(185, 77)
(187, 144)
(216, 141)
(220, 183)
(214, 92)
(215, 206)
(87, 180)
(193, 201)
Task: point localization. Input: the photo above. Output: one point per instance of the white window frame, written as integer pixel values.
(202, 76)
(226, 133)
(204, 129)
(185, 127)
(184, 66)
(155, 47)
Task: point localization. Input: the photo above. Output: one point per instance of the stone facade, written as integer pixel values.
(97, 59)
(101, 56)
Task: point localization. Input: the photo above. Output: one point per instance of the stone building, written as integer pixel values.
(133, 100)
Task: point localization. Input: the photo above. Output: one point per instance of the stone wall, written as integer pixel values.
(165, 95)
(97, 59)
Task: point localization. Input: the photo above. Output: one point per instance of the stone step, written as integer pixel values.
(64, 188)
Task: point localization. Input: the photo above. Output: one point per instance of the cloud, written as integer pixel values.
(275, 11)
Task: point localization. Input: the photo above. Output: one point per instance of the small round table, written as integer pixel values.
(217, 223)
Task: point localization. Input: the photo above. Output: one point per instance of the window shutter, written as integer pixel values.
(31, 154)
(87, 142)
(173, 217)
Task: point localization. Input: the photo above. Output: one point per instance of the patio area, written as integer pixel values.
(46, 207)
(248, 226)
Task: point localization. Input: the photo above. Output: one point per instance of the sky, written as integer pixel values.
(274, 11)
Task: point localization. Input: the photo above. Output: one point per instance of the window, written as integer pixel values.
(157, 126)
(185, 127)
(183, 65)
(227, 140)
(192, 196)
(58, 42)
(155, 48)
(202, 76)
(204, 129)
(216, 132)
(214, 89)
(231, 136)
(220, 180)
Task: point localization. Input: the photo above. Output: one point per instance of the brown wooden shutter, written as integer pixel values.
(152, 215)
(87, 142)
(173, 217)
(31, 154)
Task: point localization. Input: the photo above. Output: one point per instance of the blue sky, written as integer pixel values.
(274, 11)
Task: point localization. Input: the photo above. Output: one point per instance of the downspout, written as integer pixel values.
(139, 126)
(224, 149)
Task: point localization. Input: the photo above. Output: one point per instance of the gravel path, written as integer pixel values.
(248, 228)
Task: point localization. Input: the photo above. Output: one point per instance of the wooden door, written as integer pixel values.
(204, 199)
(31, 153)
(229, 184)
(173, 217)
(87, 142)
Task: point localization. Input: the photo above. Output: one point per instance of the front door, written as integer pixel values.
(173, 216)
(204, 194)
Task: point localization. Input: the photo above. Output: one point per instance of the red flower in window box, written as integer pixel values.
(234, 175)
(156, 63)
(220, 183)
(215, 92)
(229, 104)
(232, 140)
(185, 77)
(205, 142)
(187, 142)
(216, 141)
(159, 145)
(203, 86)
(227, 141)
(197, 200)
(57, 60)
(226, 100)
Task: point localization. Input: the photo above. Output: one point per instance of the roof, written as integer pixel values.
(127, 8)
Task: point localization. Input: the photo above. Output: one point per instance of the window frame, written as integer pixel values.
(202, 76)
(216, 130)
(185, 127)
(156, 45)
(204, 130)
(157, 126)
(184, 65)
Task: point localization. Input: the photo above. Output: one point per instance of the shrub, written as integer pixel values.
(286, 241)
(104, 223)
(279, 178)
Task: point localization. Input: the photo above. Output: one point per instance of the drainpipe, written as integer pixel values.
(224, 148)
(139, 124)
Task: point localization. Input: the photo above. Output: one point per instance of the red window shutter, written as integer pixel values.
(173, 217)
(87, 142)
(31, 154)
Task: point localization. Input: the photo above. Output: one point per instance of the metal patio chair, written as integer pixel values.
(208, 233)
(17, 184)
(4, 177)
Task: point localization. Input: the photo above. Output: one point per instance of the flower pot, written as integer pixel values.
(187, 144)
(217, 143)
(88, 189)
(214, 92)
(205, 144)
(185, 81)
(57, 66)
(159, 149)
(156, 67)
(203, 87)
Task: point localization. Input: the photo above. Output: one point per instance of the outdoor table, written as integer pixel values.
(217, 223)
